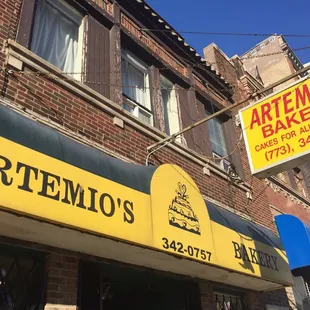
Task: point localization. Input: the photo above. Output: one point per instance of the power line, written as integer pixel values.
(276, 53)
(62, 76)
(193, 65)
(239, 34)
(228, 108)
(131, 86)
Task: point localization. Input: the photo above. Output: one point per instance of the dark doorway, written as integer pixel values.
(111, 287)
(21, 278)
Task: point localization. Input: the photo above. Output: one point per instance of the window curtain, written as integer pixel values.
(55, 35)
(166, 95)
(133, 82)
(217, 137)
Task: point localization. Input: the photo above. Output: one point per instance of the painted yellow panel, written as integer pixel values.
(174, 219)
(44, 187)
(277, 129)
(241, 253)
(181, 224)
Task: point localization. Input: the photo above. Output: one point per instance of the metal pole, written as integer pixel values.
(259, 92)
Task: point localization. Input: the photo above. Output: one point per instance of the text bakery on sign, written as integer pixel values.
(277, 129)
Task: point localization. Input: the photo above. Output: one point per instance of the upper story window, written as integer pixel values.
(57, 35)
(136, 87)
(218, 142)
(217, 137)
(170, 106)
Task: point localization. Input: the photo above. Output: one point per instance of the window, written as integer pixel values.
(135, 80)
(170, 106)
(114, 286)
(58, 34)
(229, 302)
(217, 138)
(21, 278)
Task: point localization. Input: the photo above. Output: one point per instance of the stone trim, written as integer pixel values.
(280, 187)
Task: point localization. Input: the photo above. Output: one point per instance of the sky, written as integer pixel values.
(240, 16)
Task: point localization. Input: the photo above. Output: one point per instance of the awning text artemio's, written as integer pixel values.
(47, 176)
(37, 181)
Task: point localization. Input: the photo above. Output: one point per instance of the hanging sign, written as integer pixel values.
(277, 130)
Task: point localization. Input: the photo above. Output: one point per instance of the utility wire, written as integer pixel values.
(227, 157)
(228, 108)
(193, 65)
(240, 34)
(65, 76)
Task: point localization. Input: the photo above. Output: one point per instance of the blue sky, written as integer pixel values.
(263, 16)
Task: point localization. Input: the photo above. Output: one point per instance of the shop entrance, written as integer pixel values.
(21, 278)
(111, 287)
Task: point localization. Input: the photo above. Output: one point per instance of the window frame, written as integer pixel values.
(215, 154)
(239, 297)
(166, 83)
(135, 106)
(77, 74)
(24, 33)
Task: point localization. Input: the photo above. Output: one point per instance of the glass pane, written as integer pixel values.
(20, 283)
(128, 108)
(217, 137)
(133, 81)
(55, 35)
(145, 117)
(229, 302)
(166, 95)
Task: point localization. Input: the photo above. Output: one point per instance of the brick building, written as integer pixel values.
(280, 62)
(287, 192)
(90, 219)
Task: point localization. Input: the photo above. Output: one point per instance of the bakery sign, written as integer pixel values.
(277, 130)
(46, 176)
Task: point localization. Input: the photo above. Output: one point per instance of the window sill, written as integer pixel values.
(37, 64)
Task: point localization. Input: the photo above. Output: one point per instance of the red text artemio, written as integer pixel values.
(288, 110)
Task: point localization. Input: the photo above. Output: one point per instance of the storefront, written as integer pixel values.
(60, 193)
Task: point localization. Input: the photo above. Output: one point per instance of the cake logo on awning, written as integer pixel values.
(181, 214)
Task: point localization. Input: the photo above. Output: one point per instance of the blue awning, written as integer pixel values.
(295, 237)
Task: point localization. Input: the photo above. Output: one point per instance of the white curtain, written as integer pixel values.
(166, 97)
(55, 35)
(133, 81)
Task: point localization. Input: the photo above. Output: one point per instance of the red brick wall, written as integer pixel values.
(284, 204)
(258, 301)
(62, 282)
(207, 296)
